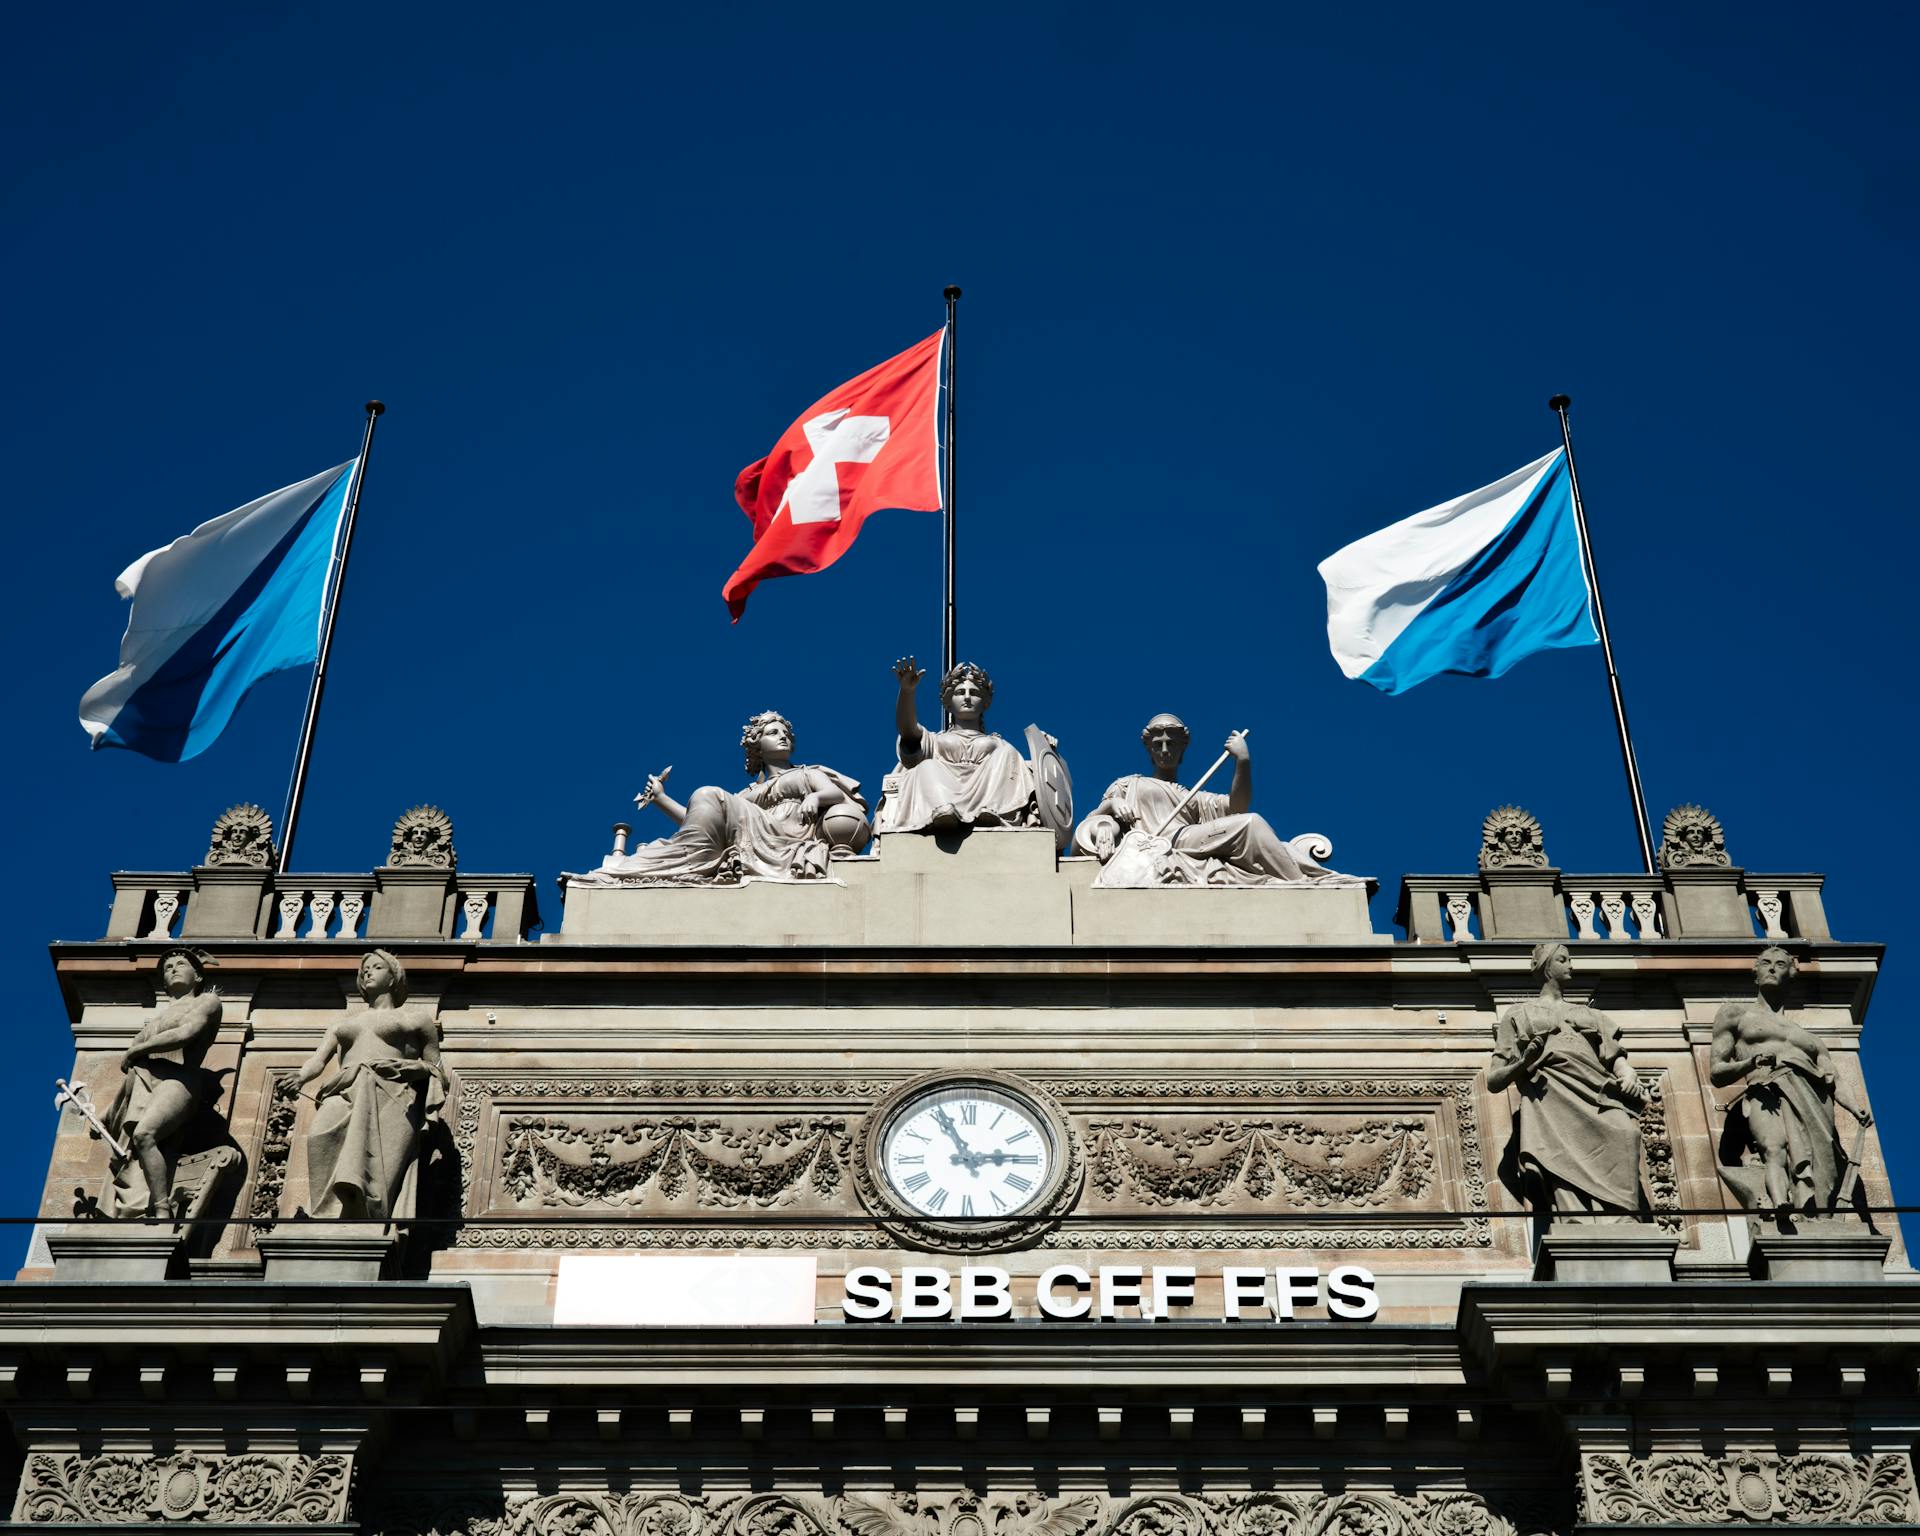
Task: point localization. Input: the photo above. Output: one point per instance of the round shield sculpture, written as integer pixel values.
(1053, 786)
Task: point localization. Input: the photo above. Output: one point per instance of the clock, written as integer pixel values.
(968, 1149)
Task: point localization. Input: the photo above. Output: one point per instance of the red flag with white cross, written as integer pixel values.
(868, 445)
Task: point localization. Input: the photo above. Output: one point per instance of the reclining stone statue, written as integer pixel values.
(783, 825)
(1780, 1148)
(371, 1116)
(1213, 840)
(1577, 1130)
(163, 1088)
(963, 776)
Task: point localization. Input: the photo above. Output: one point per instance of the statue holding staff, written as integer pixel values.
(1148, 830)
(163, 1086)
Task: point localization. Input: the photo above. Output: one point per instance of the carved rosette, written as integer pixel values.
(422, 839)
(1691, 838)
(123, 1489)
(1761, 1486)
(1511, 839)
(1024, 1227)
(242, 839)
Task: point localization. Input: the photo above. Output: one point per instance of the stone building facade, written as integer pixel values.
(612, 1294)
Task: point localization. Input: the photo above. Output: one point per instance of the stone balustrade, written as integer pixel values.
(212, 902)
(1546, 903)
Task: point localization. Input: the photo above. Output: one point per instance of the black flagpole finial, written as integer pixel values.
(1559, 402)
(376, 408)
(952, 292)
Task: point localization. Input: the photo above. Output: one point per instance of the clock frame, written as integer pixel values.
(1056, 1188)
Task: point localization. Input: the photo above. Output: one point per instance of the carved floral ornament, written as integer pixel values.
(1691, 838)
(1691, 1489)
(121, 1489)
(242, 838)
(1512, 839)
(422, 839)
(1453, 1512)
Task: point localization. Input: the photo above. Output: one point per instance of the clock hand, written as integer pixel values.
(945, 1122)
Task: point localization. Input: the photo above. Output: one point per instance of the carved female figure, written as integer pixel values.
(374, 1110)
(781, 826)
(164, 1084)
(963, 776)
(1577, 1129)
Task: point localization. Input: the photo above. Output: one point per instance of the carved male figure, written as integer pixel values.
(1784, 1113)
(962, 776)
(1216, 839)
(163, 1084)
(1577, 1132)
(373, 1112)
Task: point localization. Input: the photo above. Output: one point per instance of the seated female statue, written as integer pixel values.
(782, 826)
(963, 776)
(372, 1114)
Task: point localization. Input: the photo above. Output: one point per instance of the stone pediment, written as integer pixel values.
(1002, 887)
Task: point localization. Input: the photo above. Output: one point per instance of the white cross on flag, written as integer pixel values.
(867, 445)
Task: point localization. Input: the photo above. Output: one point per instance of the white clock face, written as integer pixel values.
(968, 1151)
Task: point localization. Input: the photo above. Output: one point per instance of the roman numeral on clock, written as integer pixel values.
(919, 1182)
(937, 1199)
(1015, 1181)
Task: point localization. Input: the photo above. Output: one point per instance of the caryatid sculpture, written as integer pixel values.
(1780, 1148)
(783, 825)
(962, 776)
(372, 1114)
(1213, 840)
(1577, 1130)
(163, 1086)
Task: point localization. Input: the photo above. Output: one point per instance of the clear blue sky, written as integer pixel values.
(1240, 286)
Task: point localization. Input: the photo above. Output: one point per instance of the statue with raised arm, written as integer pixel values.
(1577, 1130)
(1212, 839)
(1780, 1149)
(784, 825)
(163, 1086)
(373, 1112)
(963, 776)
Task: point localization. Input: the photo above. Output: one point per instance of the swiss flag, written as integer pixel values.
(867, 445)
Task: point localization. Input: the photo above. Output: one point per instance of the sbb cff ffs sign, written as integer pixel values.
(981, 1292)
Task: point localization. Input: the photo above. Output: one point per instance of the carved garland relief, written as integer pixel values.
(1452, 1512)
(1379, 1148)
(1691, 1489)
(128, 1489)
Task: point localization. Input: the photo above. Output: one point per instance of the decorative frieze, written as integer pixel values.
(1692, 1489)
(1384, 1149)
(118, 1489)
(1439, 1512)
(1229, 1161)
(555, 1162)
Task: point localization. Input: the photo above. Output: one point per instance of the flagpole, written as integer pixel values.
(1559, 405)
(337, 581)
(949, 617)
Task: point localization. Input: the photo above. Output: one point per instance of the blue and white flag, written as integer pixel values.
(1469, 586)
(236, 600)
